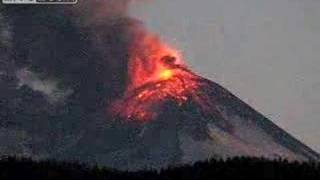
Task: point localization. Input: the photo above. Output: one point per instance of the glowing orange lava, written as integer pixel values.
(150, 59)
(165, 74)
(156, 74)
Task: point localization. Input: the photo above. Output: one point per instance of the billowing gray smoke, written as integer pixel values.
(78, 52)
(83, 46)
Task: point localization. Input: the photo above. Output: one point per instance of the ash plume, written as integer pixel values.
(84, 46)
(79, 51)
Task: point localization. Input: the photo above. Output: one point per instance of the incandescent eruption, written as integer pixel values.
(157, 74)
(187, 117)
(108, 60)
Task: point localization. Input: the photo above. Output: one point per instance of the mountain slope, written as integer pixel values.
(251, 134)
(211, 122)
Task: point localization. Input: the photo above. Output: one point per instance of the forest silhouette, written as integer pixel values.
(235, 168)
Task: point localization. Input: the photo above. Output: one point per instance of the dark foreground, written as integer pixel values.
(237, 168)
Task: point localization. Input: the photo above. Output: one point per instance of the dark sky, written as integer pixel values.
(266, 52)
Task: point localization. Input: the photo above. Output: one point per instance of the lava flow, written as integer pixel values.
(157, 74)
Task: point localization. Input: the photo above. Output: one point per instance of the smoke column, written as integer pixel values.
(83, 49)
(84, 46)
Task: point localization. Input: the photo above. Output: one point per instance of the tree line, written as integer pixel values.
(233, 168)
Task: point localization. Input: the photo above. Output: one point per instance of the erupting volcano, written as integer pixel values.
(157, 74)
(100, 88)
(187, 118)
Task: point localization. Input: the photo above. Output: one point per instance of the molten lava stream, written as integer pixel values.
(156, 74)
(144, 103)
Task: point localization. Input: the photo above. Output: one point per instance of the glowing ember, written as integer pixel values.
(144, 102)
(157, 75)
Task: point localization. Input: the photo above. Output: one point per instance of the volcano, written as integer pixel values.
(192, 118)
(173, 116)
(129, 100)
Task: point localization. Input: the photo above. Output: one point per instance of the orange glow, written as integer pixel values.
(157, 75)
(150, 59)
(166, 74)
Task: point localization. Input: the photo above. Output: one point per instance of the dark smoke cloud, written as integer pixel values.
(85, 49)
(96, 10)
(85, 46)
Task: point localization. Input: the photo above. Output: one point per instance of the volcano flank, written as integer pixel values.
(187, 118)
(182, 117)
